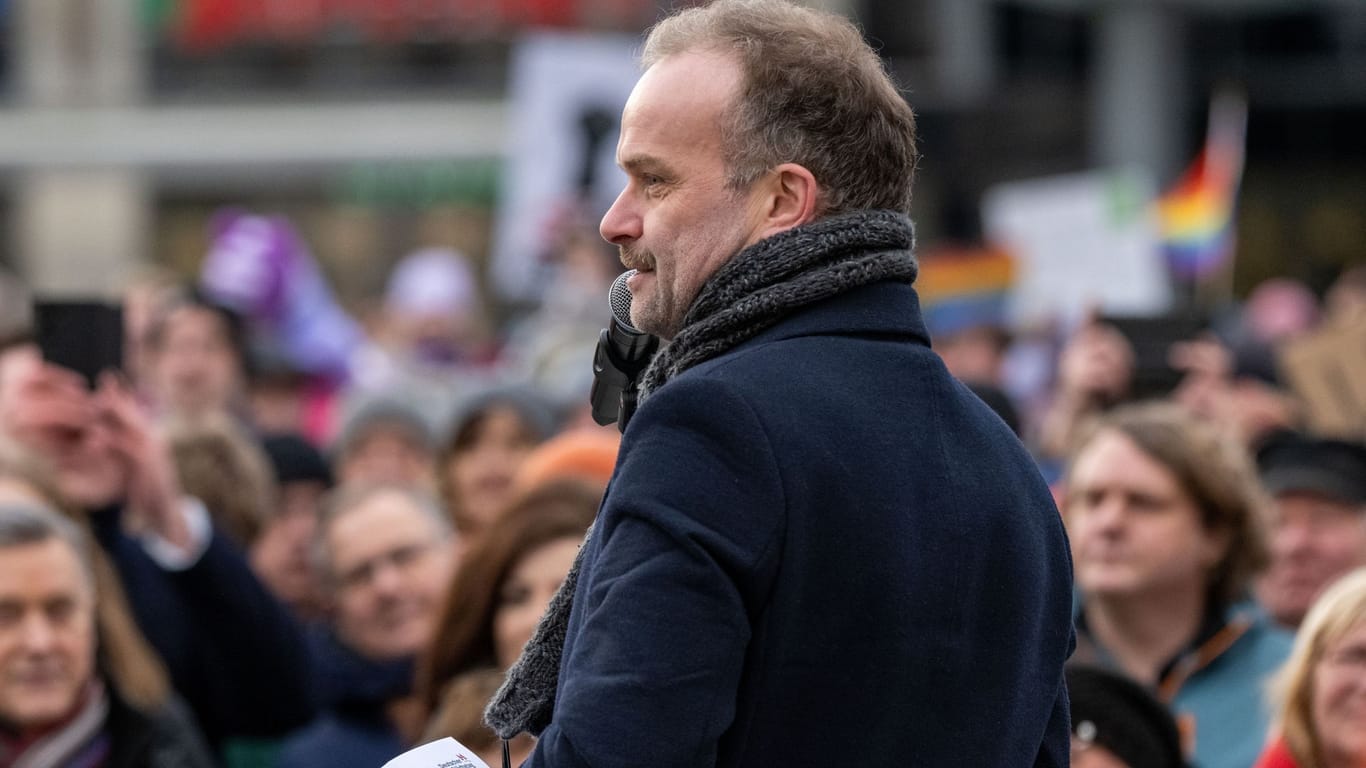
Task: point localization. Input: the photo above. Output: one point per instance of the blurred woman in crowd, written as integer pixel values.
(1095, 372)
(384, 440)
(498, 594)
(281, 555)
(1165, 521)
(1321, 692)
(222, 465)
(483, 450)
(196, 357)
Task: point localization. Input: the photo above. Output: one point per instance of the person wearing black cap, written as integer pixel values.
(1116, 723)
(1318, 530)
(280, 555)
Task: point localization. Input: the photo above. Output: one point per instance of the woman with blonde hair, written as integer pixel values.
(1321, 690)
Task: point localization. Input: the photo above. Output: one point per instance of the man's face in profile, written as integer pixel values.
(677, 221)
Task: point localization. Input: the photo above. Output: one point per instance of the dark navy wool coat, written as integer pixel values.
(819, 549)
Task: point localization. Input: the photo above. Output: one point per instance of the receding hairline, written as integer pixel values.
(344, 502)
(32, 525)
(62, 545)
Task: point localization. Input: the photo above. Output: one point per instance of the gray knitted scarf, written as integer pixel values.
(760, 286)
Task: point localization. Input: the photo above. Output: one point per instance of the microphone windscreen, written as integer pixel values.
(620, 299)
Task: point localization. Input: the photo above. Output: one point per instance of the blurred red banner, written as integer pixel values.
(205, 26)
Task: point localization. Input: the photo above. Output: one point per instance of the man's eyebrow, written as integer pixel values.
(643, 164)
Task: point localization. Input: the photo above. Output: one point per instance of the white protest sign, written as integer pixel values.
(565, 99)
(1080, 240)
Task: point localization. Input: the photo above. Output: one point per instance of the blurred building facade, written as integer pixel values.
(381, 125)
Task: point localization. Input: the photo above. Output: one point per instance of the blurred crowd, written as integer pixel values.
(289, 534)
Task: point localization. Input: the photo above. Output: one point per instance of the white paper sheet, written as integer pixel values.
(445, 753)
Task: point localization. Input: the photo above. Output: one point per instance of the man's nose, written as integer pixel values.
(621, 224)
(1291, 538)
(37, 634)
(1109, 514)
(386, 578)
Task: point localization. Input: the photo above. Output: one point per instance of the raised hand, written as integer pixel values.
(153, 492)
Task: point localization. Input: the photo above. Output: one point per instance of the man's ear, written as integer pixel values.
(789, 198)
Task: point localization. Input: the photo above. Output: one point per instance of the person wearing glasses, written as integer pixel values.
(1321, 691)
(385, 555)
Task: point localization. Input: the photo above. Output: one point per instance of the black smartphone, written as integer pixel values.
(1152, 338)
(83, 336)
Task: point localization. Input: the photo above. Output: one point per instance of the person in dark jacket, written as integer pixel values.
(1117, 723)
(74, 691)
(817, 545)
(385, 555)
(233, 652)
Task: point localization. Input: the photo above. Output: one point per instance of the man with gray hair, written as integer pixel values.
(817, 546)
(58, 703)
(385, 554)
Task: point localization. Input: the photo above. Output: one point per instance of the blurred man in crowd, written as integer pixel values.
(59, 704)
(386, 555)
(1318, 525)
(1166, 528)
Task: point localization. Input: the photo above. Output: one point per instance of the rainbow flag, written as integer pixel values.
(1195, 217)
(962, 289)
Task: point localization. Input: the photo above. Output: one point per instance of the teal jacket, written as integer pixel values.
(1216, 688)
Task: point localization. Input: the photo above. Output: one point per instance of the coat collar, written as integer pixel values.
(886, 308)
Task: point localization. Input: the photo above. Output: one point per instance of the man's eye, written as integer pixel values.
(514, 595)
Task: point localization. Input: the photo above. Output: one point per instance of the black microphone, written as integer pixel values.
(623, 353)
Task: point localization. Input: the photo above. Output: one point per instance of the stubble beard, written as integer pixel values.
(662, 310)
(650, 311)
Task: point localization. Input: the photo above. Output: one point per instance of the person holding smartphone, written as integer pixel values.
(233, 652)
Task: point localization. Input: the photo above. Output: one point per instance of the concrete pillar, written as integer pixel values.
(963, 51)
(1138, 88)
(79, 231)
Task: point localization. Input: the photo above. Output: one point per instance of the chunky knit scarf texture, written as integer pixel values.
(752, 292)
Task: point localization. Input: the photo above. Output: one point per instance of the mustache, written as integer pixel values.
(634, 257)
